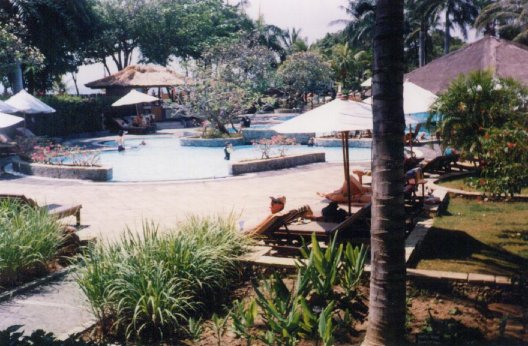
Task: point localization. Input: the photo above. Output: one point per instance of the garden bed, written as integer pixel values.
(64, 171)
(276, 163)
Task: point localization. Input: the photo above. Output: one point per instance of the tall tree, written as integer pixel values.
(58, 28)
(460, 13)
(386, 320)
(509, 16)
(359, 28)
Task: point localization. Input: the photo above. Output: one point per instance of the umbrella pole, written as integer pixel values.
(411, 139)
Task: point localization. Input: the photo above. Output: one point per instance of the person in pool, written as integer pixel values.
(121, 140)
(228, 149)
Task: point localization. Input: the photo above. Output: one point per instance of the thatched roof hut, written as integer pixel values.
(139, 76)
(504, 58)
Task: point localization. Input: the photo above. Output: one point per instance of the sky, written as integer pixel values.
(313, 17)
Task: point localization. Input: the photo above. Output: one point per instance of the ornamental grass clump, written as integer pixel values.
(29, 240)
(148, 285)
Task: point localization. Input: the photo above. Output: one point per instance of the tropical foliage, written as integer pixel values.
(148, 285)
(508, 18)
(302, 73)
(505, 154)
(475, 103)
(311, 308)
(29, 240)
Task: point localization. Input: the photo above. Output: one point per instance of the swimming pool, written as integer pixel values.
(164, 159)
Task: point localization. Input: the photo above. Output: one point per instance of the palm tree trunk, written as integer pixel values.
(421, 48)
(386, 320)
(447, 34)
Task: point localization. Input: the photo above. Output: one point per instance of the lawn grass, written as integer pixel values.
(459, 184)
(479, 237)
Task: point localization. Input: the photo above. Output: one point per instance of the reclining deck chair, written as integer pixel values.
(440, 164)
(293, 233)
(55, 210)
(273, 222)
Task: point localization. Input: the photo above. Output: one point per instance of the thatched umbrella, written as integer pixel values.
(140, 76)
(503, 58)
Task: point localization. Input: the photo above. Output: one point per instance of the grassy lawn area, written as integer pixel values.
(478, 237)
(460, 185)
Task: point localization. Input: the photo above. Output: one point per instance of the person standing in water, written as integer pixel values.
(121, 140)
(228, 149)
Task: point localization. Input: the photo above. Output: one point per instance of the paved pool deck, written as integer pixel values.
(108, 208)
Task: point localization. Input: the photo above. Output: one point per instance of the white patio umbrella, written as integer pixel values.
(134, 97)
(8, 120)
(6, 108)
(28, 104)
(415, 99)
(335, 116)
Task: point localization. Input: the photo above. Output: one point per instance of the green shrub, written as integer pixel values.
(475, 103)
(505, 166)
(73, 115)
(148, 285)
(29, 239)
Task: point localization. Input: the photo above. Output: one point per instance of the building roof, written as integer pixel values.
(504, 58)
(141, 76)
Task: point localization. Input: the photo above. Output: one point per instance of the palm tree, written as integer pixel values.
(293, 42)
(420, 18)
(270, 36)
(511, 17)
(459, 13)
(386, 320)
(350, 66)
(359, 29)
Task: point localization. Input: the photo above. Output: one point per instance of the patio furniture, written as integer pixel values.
(440, 164)
(138, 130)
(355, 228)
(273, 222)
(55, 210)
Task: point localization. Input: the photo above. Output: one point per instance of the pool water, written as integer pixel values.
(164, 159)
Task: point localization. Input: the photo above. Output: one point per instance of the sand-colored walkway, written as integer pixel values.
(109, 207)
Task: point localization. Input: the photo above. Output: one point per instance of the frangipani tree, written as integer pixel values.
(475, 103)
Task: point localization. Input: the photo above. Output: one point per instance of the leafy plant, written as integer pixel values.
(29, 239)
(322, 268)
(243, 316)
(219, 326)
(279, 142)
(286, 313)
(475, 103)
(353, 266)
(12, 336)
(326, 327)
(194, 328)
(148, 284)
(504, 169)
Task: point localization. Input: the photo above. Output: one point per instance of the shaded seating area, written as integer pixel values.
(441, 164)
(297, 225)
(55, 210)
(137, 130)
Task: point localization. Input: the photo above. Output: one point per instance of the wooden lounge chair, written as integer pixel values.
(56, 210)
(273, 222)
(138, 130)
(440, 164)
(348, 229)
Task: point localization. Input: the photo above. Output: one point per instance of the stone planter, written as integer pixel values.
(336, 142)
(255, 134)
(276, 163)
(63, 171)
(210, 142)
